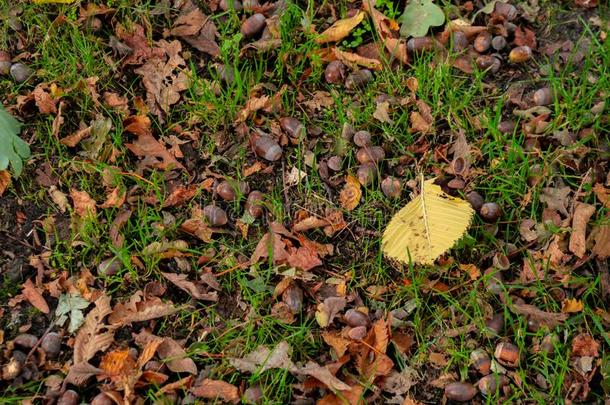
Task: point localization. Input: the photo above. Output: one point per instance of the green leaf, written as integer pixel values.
(13, 150)
(419, 16)
(71, 306)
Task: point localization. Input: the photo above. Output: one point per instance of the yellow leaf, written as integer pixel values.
(427, 226)
(351, 193)
(571, 305)
(340, 29)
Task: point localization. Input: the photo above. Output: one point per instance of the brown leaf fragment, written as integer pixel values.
(602, 194)
(155, 155)
(571, 306)
(304, 258)
(175, 357)
(350, 195)
(197, 292)
(354, 60)
(337, 342)
(556, 198)
(44, 101)
(74, 139)
(84, 205)
(329, 309)
(93, 336)
(5, 181)
(115, 101)
(262, 359)
(115, 199)
(34, 297)
(600, 235)
(324, 375)
(79, 373)
(216, 389)
(137, 45)
(189, 22)
(549, 319)
(382, 112)
(582, 214)
(340, 29)
(585, 345)
(137, 310)
(116, 237)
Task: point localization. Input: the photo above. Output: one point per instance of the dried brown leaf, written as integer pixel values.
(94, 335)
(34, 297)
(324, 375)
(216, 389)
(155, 155)
(262, 359)
(175, 357)
(181, 281)
(582, 214)
(329, 309)
(137, 310)
(84, 205)
(350, 195)
(340, 29)
(5, 181)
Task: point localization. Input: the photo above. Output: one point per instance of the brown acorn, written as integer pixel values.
(460, 391)
(475, 199)
(490, 384)
(495, 324)
(20, 72)
(254, 204)
(51, 344)
(490, 212)
(543, 96)
(548, 343)
(490, 62)
(362, 138)
(420, 44)
(228, 190)
(102, 399)
(335, 72)
(494, 280)
(520, 54)
(459, 41)
(368, 154)
(482, 42)
(69, 397)
(507, 354)
(498, 43)
(5, 63)
(481, 361)
(226, 5)
(366, 173)
(267, 147)
(357, 79)
(293, 127)
(391, 187)
(215, 216)
(456, 184)
(293, 297)
(506, 127)
(26, 340)
(506, 10)
(354, 317)
(357, 333)
(253, 25)
(334, 163)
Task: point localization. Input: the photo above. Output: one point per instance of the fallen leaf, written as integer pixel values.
(340, 29)
(84, 205)
(420, 232)
(556, 198)
(387, 29)
(419, 123)
(117, 363)
(354, 60)
(189, 22)
(262, 359)
(79, 373)
(571, 305)
(419, 16)
(175, 357)
(59, 198)
(472, 270)
(601, 192)
(94, 336)
(584, 344)
(337, 342)
(295, 176)
(180, 195)
(324, 375)
(44, 101)
(34, 297)
(328, 310)
(146, 146)
(382, 112)
(137, 45)
(600, 235)
(197, 292)
(350, 195)
(582, 214)
(216, 389)
(137, 310)
(70, 306)
(525, 37)
(5, 181)
(115, 199)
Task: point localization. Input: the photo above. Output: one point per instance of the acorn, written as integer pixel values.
(543, 96)
(460, 391)
(354, 317)
(293, 297)
(370, 154)
(498, 43)
(482, 42)
(357, 333)
(494, 280)
(251, 4)
(475, 199)
(366, 173)
(26, 340)
(459, 41)
(548, 343)
(456, 184)
(490, 62)
(490, 212)
(102, 399)
(215, 216)
(490, 384)
(334, 163)
(109, 266)
(420, 44)
(495, 324)
(293, 127)
(357, 79)
(520, 54)
(20, 72)
(5, 63)
(362, 138)
(506, 10)
(391, 187)
(267, 148)
(507, 354)
(254, 204)
(228, 191)
(506, 127)
(481, 361)
(51, 344)
(226, 5)
(335, 72)
(253, 25)
(70, 397)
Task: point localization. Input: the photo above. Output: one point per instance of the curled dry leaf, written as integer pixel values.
(262, 359)
(93, 336)
(571, 305)
(340, 29)
(84, 205)
(582, 214)
(556, 198)
(354, 60)
(350, 195)
(155, 155)
(600, 235)
(5, 181)
(175, 357)
(137, 310)
(34, 297)
(324, 375)
(196, 291)
(337, 342)
(382, 112)
(602, 194)
(329, 309)
(585, 345)
(216, 389)
(387, 29)
(549, 319)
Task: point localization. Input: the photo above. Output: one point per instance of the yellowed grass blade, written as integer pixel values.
(427, 226)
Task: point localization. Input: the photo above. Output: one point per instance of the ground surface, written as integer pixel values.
(137, 111)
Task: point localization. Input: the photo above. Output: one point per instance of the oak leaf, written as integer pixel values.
(340, 29)
(350, 195)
